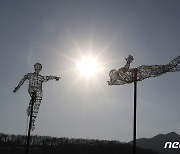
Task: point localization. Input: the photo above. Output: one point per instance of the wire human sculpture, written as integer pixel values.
(125, 75)
(35, 86)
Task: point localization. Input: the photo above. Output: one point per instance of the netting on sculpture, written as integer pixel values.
(125, 75)
(35, 86)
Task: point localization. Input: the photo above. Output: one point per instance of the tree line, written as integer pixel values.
(12, 144)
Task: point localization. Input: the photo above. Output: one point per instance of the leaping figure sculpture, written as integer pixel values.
(125, 75)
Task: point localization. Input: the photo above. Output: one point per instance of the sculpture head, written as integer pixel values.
(37, 67)
(121, 71)
(113, 74)
(117, 74)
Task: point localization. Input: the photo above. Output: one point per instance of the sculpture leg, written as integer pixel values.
(33, 98)
(146, 71)
(176, 64)
(35, 108)
(175, 61)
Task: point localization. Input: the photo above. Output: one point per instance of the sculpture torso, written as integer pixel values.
(35, 82)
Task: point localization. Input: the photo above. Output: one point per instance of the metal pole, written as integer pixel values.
(135, 107)
(33, 98)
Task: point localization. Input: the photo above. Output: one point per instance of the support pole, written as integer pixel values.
(135, 107)
(33, 98)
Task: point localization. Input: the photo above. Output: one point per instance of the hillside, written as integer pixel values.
(14, 144)
(157, 143)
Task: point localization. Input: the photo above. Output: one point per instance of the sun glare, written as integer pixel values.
(88, 66)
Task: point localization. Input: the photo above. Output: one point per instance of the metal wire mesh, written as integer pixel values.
(125, 75)
(35, 85)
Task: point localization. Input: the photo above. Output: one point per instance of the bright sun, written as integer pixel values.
(88, 66)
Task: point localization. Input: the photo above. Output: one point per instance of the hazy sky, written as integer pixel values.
(56, 33)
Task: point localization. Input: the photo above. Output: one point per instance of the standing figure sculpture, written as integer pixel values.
(35, 86)
(125, 75)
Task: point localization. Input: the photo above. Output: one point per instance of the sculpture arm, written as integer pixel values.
(21, 83)
(129, 60)
(46, 78)
(124, 69)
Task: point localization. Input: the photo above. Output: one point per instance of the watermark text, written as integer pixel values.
(172, 145)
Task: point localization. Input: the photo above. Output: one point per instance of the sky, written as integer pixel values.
(57, 33)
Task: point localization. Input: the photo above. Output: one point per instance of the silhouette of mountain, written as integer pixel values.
(157, 143)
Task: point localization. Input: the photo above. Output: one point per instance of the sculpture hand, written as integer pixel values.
(129, 59)
(15, 89)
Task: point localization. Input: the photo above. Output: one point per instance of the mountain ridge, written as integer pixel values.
(157, 143)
